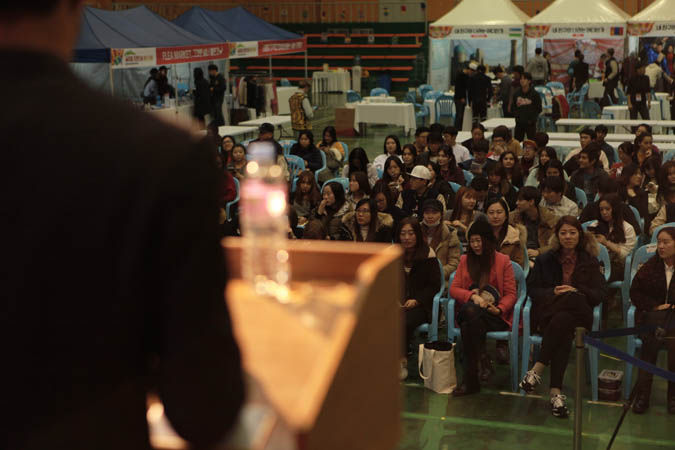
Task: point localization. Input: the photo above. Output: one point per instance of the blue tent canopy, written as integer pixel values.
(233, 25)
(138, 27)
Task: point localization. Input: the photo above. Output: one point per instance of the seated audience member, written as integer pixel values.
(331, 209)
(422, 280)
(238, 161)
(229, 188)
(600, 135)
(226, 145)
(499, 136)
(644, 147)
(419, 191)
(307, 196)
(441, 238)
(511, 143)
(386, 202)
(464, 211)
(481, 185)
(554, 168)
(613, 232)
(564, 285)
(306, 150)
(434, 142)
(571, 162)
(511, 239)
(392, 147)
(477, 137)
(538, 172)
(358, 162)
(409, 157)
(651, 294)
(529, 158)
(266, 134)
(626, 156)
(652, 182)
(395, 177)
(485, 287)
(511, 165)
(421, 135)
(631, 192)
(499, 185)
(644, 128)
(667, 212)
(450, 171)
(439, 185)
(450, 139)
(315, 231)
(366, 224)
(334, 151)
(480, 163)
(537, 220)
(589, 174)
(592, 210)
(553, 198)
(359, 189)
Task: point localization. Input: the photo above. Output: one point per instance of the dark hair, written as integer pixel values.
(646, 127)
(242, 146)
(592, 150)
(437, 170)
(358, 160)
(31, 8)
(528, 193)
(629, 149)
(339, 192)
(601, 129)
(314, 195)
(372, 226)
(501, 132)
(480, 183)
(213, 67)
(421, 130)
(555, 184)
(527, 76)
(421, 250)
(436, 128)
(607, 186)
(385, 173)
(505, 225)
(653, 162)
(537, 51)
(610, 51)
(499, 170)
(452, 161)
(314, 230)
(588, 132)
(266, 128)
(662, 178)
(541, 139)
(670, 231)
(479, 266)
(498, 69)
(331, 131)
(461, 193)
(519, 69)
(482, 146)
(382, 188)
(477, 126)
(309, 135)
(413, 150)
(516, 171)
(552, 156)
(362, 179)
(395, 139)
(435, 138)
(626, 173)
(641, 137)
(198, 74)
(555, 164)
(617, 234)
(452, 131)
(572, 221)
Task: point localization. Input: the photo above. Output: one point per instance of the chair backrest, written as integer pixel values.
(603, 258)
(468, 176)
(324, 166)
(622, 95)
(545, 94)
(380, 172)
(375, 92)
(455, 187)
(581, 197)
(410, 97)
(587, 224)
(353, 96)
(658, 230)
(444, 106)
(556, 87)
(520, 277)
(287, 144)
(639, 219)
(641, 255)
(432, 95)
(346, 149)
(295, 165)
(424, 88)
(342, 180)
(228, 205)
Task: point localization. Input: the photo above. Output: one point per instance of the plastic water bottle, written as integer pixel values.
(264, 223)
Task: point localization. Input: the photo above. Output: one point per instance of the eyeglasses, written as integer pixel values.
(363, 211)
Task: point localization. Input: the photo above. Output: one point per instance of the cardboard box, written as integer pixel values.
(344, 121)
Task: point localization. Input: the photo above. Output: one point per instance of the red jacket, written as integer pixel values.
(501, 277)
(229, 188)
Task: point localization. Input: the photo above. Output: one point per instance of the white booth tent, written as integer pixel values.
(495, 27)
(656, 20)
(589, 25)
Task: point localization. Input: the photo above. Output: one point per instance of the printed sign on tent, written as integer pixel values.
(580, 31)
(651, 29)
(476, 32)
(268, 48)
(122, 58)
(177, 55)
(247, 49)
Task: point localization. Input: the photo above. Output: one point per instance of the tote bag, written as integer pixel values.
(436, 365)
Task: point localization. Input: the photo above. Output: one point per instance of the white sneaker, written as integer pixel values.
(559, 406)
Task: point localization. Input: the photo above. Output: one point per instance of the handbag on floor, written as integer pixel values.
(436, 365)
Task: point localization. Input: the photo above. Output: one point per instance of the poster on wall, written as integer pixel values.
(439, 62)
(490, 52)
(562, 53)
(125, 58)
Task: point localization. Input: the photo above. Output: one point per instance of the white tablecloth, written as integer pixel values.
(398, 114)
(379, 99)
(331, 82)
(620, 112)
(277, 121)
(283, 94)
(181, 114)
(491, 124)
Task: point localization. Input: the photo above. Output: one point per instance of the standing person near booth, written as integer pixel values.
(217, 86)
(638, 92)
(538, 67)
(526, 107)
(480, 91)
(610, 78)
(301, 109)
(163, 83)
(150, 90)
(462, 83)
(103, 305)
(202, 97)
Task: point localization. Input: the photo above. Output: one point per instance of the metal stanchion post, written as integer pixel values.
(579, 344)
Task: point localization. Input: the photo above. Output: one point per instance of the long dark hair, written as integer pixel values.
(553, 156)
(309, 135)
(385, 174)
(421, 250)
(332, 132)
(338, 193)
(358, 161)
(461, 193)
(505, 226)
(362, 179)
(313, 196)
(504, 183)
(653, 162)
(413, 150)
(382, 188)
(395, 139)
(629, 149)
(452, 162)
(663, 178)
(372, 226)
(198, 74)
(616, 235)
(479, 266)
(516, 172)
(573, 221)
(626, 173)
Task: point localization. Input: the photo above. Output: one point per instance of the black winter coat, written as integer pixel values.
(202, 98)
(423, 282)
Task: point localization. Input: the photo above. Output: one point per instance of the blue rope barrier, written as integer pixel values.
(611, 351)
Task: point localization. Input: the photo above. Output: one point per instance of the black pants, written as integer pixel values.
(218, 117)
(459, 117)
(479, 111)
(523, 129)
(474, 323)
(650, 350)
(413, 318)
(640, 107)
(610, 86)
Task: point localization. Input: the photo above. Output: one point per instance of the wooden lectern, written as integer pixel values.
(328, 362)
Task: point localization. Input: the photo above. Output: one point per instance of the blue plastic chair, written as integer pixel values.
(623, 100)
(423, 89)
(287, 144)
(640, 220)
(295, 165)
(444, 106)
(324, 166)
(346, 148)
(431, 329)
(576, 98)
(378, 91)
(455, 187)
(658, 229)
(582, 200)
(342, 180)
(353, 96)
(468, 176)
(634, 343)
(545, 119)
(511, 336)
(421, 110)
(432, 95)
(555, 85)
(380, 172)
(230, 205)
